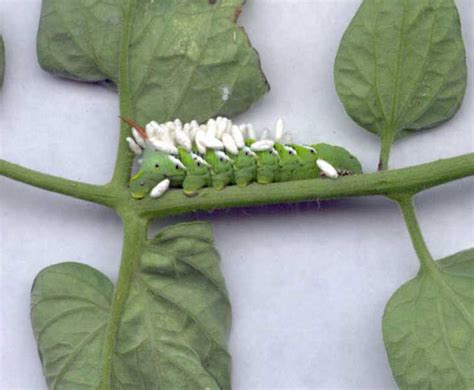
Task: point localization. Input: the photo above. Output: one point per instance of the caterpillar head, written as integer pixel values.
(156, 167)
(142, 183)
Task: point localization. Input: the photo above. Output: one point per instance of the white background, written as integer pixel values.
(308, 283)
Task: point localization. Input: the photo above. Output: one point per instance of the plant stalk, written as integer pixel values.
(408, 210)
(407, 180)
(134, 236)
(135, 228)
(100, 194)
(124, 159)
(386, 143)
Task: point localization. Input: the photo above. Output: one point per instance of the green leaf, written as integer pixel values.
(428, 327)
(173, 326)
(70, 305)
(187, 59)
(401, 65)
(2, 61)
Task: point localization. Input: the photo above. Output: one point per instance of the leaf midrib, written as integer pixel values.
(422, 71)
(377, 93)
(390, 127)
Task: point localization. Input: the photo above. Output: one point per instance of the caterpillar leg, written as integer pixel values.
(267, 174)
(264, 181)
(190, 193)
(242, 183)
(244, 176)
(219, 186)
(221, 180)
(192, 184)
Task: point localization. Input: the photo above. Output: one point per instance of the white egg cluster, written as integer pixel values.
(218, 134)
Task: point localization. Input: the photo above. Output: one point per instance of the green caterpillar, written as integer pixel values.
(219, 154)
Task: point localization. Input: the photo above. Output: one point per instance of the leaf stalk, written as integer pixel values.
(386, 142)
(409, 213)
(100, 194)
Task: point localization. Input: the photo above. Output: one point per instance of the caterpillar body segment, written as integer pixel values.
(266, 163)
(221, 167)
(307, 157)
(289, 163)
(198, 174)
(245, 167)
(217, 155)
(268, 166)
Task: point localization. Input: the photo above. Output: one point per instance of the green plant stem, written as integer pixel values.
(407, 180)
(134, 236)
(386, 141)
(124, 160)
(427, 262)
(408, 210)
(135, 228)
(101, 194)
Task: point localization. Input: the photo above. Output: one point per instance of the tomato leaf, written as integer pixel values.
(401, 66)
(172, 329)
(187, 59)
(428, 327)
